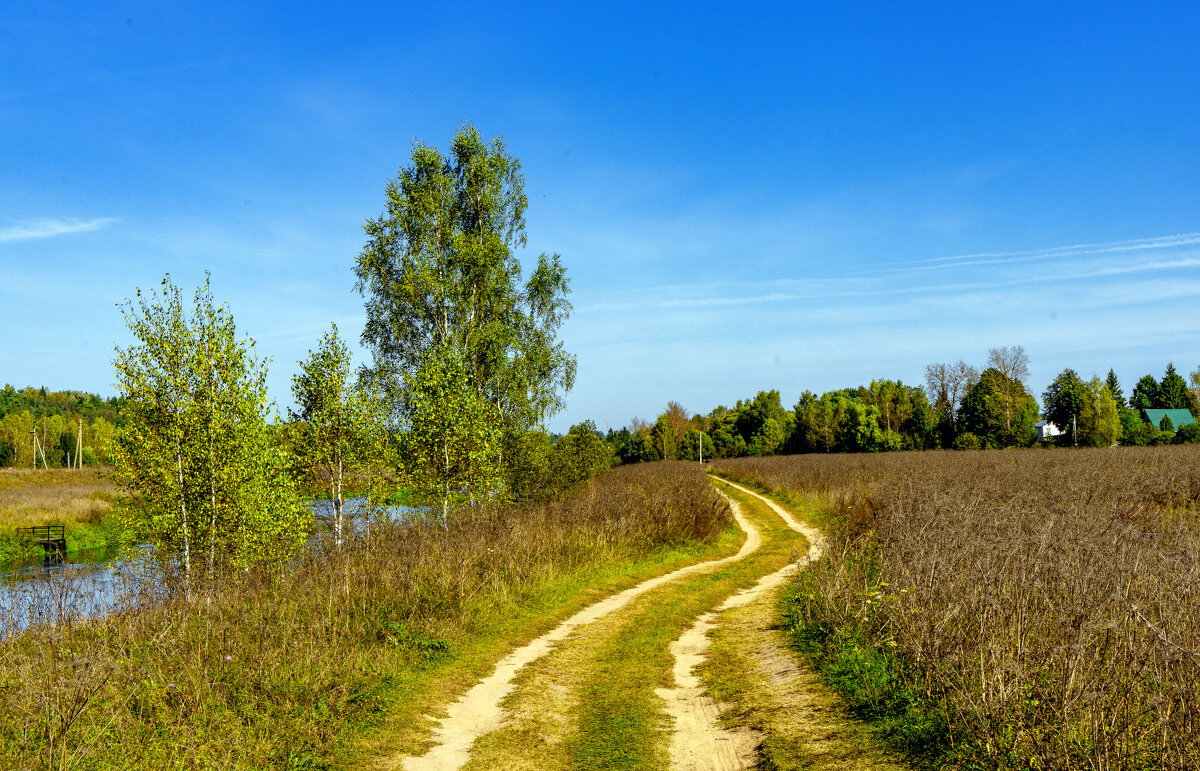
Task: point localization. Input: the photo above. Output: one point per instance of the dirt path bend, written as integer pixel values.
(479, 710)
(699, 742)
(801, 720)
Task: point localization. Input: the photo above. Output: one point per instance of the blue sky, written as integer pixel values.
(745, 196)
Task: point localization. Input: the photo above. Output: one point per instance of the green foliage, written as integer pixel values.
(998, 410)
(819, 422)
(1063, 401)
(1172, 391)
(968, 441)
(860, 431)
(752, 417)
(449, 324)
(690, 446)
(768, 439)
(1189, 434)
(579, 456)
(527, 465)
(1135, 431)
(1114, 386)
(194, 453)
(1166, 424)
(1099, 421)
(337, 429)
(68, 404)
(1145, 394)
(439, 273)
(1194, 392)
(451, 450)
(663, 438)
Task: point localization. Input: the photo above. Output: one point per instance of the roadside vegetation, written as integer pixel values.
(280, 671)
(1006, 610)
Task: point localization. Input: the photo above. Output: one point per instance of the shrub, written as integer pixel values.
(1189, 434)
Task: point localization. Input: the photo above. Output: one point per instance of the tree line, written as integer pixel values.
(56, 416)
(960, 406)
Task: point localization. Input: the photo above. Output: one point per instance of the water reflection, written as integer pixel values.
(94, 584)
(53, 592)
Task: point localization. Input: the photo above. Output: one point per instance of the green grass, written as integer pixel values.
(399, 725)
(621, 724)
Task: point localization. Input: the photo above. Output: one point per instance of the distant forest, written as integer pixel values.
(56, 416)
(959, 407)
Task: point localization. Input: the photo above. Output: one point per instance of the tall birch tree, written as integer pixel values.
(450, 319)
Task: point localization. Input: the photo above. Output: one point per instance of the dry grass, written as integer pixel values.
(1042, 607)
(54, 496)
(275, 672)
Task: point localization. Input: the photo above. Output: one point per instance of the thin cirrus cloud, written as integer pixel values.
(1074, 251)
(965, 275)
(34, 229)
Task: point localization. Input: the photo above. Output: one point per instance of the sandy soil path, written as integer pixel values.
(699, 742)
(479, 710)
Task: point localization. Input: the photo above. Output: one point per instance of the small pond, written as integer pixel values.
(94, 584)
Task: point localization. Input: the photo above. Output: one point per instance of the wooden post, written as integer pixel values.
(79, 447)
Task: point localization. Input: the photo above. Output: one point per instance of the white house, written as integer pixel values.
(1046, 429)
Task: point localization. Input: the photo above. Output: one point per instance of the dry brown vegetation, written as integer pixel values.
(59, 496)
(1010, 609)
(270, 672)
(79, 499)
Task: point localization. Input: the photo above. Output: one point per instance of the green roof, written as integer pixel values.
(1179, 418)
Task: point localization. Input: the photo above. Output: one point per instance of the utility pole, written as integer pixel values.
(701, 448)
(37, 447)
(79, 447)
(1074, 431)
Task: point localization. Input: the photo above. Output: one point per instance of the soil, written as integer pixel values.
(480, 711)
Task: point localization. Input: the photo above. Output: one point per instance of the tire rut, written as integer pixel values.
(699, 742)
(480, 710)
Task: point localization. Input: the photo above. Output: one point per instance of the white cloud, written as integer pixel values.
(48, 228)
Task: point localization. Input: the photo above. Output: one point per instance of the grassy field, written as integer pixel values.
(342, 657)
(1007, 609)
(78, 499)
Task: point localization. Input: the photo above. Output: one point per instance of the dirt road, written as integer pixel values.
(621, 683)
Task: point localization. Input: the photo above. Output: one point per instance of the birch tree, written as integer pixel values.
(337, 427)
(195, 455)
(451, 450)
(441, 278)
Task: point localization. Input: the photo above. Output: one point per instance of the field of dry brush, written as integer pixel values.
(1035, 609)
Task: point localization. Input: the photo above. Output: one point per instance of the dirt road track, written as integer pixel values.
(479, 710)
(699, 742)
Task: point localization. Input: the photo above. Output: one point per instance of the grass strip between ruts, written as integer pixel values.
(622, 725)
(425, 690)
(613, 666)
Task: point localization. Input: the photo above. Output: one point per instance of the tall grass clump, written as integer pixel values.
(270, 671)
(1008, 610)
